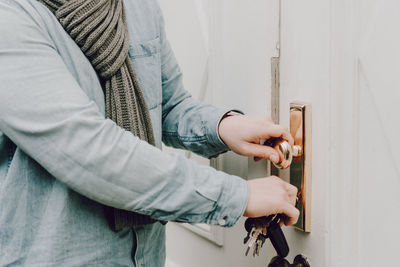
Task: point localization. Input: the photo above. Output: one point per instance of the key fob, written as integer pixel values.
(248, 224)
(278, 239)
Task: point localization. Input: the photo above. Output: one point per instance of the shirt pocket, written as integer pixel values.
(146, 60)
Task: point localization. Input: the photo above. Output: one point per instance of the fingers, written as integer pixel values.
(292, 193)
(281, 131)
(289, 209)
(257, 159)
(275, 130)
(272, 195)
(261, 151)
(292, 214)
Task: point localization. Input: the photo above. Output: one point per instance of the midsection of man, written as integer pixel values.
(46, 221)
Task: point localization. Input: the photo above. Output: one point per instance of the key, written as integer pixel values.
(250, 227)
(277, 237)
(258, 245)
(255, 249)
(265, 230)
(263, 235)
(262, 238)
(256, 242)
(256, 233)
(246, 239)
(253, 238)
(250, 234)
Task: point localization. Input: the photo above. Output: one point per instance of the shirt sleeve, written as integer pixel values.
(187, 123)
(45, 112)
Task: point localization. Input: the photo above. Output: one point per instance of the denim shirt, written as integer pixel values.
(61, 159)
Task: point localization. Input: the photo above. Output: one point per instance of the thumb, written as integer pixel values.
(292, 214)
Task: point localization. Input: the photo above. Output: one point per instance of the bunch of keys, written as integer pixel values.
(260, 229)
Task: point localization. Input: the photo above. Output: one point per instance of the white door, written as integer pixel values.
(234, 41)
(342, 56)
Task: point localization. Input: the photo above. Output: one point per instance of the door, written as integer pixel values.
(224, 48)
(342, 56)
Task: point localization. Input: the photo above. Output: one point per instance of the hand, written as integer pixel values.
(270, 196)
(242, 134)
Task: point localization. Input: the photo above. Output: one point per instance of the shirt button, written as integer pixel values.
(222, 222)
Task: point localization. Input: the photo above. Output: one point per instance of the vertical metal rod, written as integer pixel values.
(275, 86)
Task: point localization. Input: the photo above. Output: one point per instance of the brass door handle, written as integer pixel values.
(286, 154)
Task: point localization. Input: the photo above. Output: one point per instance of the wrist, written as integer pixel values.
(230, 113)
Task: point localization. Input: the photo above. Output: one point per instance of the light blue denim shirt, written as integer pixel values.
(60, 158)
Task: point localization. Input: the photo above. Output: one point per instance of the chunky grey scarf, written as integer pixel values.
(99, 28)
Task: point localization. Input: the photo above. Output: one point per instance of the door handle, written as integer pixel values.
(286, 154)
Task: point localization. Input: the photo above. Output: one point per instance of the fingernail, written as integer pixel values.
(274, 158)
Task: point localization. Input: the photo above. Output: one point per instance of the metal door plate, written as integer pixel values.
(300, 169)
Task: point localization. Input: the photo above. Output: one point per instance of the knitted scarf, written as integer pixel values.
(99, 28)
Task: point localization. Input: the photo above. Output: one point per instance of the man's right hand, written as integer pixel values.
(272, 195)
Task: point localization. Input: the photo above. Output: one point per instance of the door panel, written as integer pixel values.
(379, 160)
(342, 56)
(239, 38)
(304, 71)
(379, 198)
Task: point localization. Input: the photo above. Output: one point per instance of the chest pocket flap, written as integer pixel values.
(146, 60)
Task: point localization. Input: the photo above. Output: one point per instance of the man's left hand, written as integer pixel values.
(243, 134)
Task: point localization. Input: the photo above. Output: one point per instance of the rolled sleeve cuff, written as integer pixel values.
(231, 204)
(212, 130)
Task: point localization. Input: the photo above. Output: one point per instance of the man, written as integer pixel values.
(88, 89)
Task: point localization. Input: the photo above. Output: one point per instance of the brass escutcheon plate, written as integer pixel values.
(300, 168)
